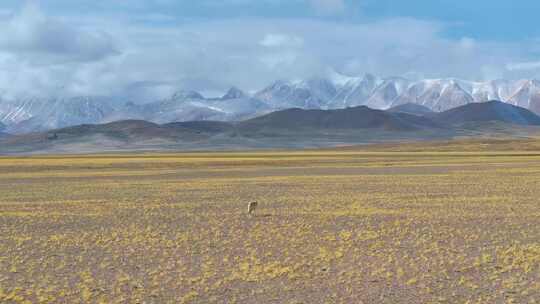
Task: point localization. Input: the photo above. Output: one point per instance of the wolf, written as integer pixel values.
(251, 207)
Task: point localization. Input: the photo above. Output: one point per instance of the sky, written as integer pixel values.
(147, 49)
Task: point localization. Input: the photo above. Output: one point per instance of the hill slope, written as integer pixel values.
(139, 130)
(342, 119)
(489, 111)
(411, 108)
(201, 126)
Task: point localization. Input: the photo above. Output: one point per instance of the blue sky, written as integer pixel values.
(150, 48)
(481, 19)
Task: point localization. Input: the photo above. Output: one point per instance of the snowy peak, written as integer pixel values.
(436, 94)
(527, 96)
(320, 87)
(234, 93)
(309, 94)
(354, 92)
(385, 95)
(34, 114)
(491, 90)
(452, 96)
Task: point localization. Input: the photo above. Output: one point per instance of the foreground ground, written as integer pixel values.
(334, 226)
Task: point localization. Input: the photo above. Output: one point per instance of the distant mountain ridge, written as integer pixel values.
(31, 114)
(285, 128)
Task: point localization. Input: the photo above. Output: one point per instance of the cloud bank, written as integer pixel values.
(41, 40)
(129, 55)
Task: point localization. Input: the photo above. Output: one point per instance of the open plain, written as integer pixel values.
(423, 223)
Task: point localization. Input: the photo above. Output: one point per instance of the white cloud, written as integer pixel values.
(122, 55)
(32, 36)
(280, 40)
(532, 65)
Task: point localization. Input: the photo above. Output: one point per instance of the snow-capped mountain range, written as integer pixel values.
(37, 114)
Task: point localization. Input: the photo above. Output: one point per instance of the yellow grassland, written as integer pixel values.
(333, 226)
